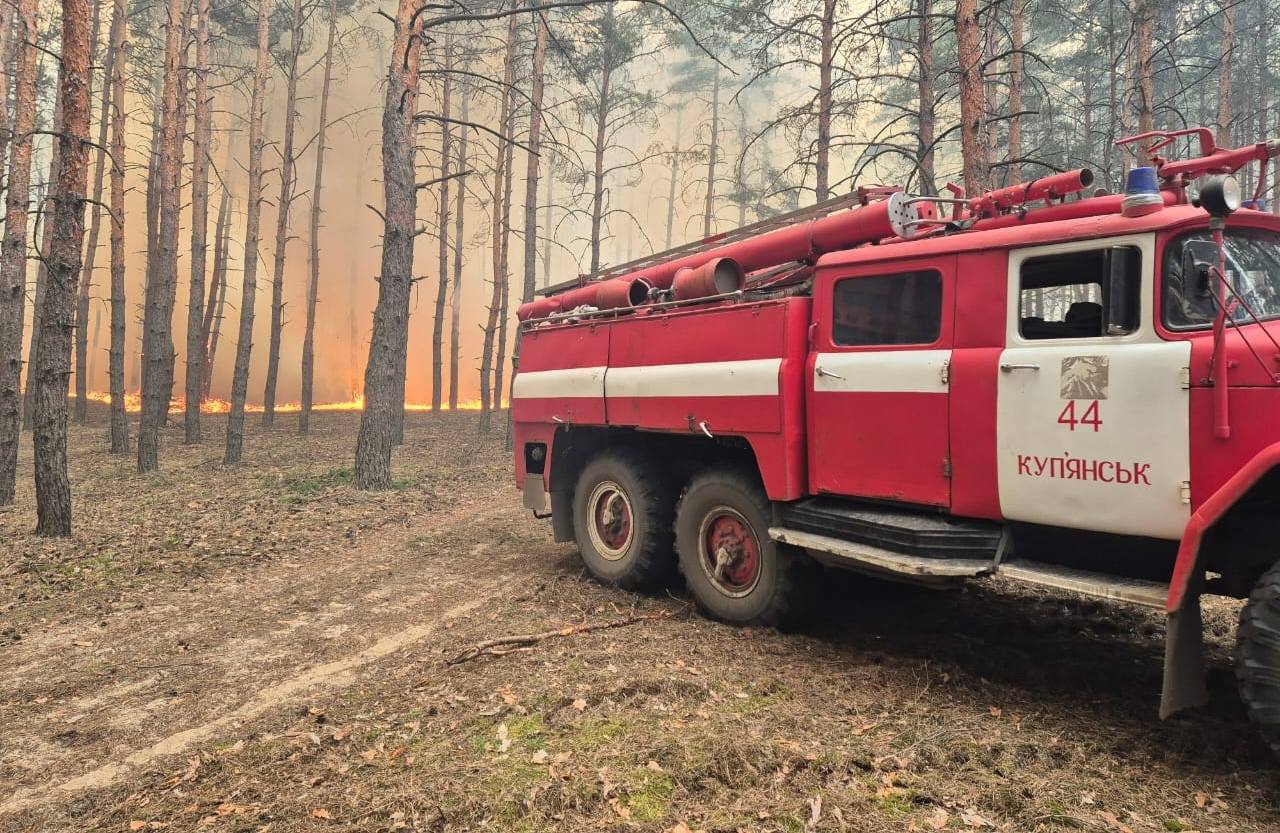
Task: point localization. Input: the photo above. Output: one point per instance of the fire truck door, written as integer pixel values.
(1092, 417)
(878, 382)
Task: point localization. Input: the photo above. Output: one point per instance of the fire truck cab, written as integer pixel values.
(1081, 394)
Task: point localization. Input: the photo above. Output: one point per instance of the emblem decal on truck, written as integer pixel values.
(1085, 377)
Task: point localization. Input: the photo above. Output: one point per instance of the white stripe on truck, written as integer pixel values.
(881, 371)
(750, 377)
(573, 382)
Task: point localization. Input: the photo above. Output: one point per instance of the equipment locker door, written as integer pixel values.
(878, 381)
(1092, 415)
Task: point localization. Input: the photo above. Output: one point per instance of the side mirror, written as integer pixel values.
(1198, 257)
(1123, 290)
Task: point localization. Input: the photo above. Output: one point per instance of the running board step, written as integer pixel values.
(898, 529)
(1099, 585)
(850, 553)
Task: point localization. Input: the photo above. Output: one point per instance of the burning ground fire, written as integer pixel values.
(213, 405)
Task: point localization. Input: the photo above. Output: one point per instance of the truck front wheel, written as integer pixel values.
(735, 570)
(1258, 657)
(622, 510)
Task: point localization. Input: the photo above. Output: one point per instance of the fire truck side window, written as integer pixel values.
(1062, 295)
(904, 308)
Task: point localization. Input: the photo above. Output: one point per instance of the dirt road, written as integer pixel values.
(263, 648)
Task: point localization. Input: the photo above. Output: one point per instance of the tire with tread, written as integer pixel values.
(1258, 657)
(782, 594)
(648, 562)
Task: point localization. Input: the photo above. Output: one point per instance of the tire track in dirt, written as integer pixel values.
(384, 581)
(330, 675)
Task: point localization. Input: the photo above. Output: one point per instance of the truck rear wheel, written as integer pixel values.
(622, 511)
(1258, 657)
(735, 570)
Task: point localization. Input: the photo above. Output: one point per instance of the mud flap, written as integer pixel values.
(535, 494)
(1184, 685)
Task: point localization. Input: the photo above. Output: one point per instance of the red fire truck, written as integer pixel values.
(1075, 391)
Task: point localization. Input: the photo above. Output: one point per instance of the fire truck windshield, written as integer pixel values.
(1253, 270)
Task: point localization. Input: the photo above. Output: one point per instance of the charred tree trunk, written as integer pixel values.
(455, 299)
(253, 216)
(53, 489)
(202, 130)
(972, 97)
(442, 234)
(13, 253)
(713, 152)
(313, 285)
(95, 228)
(1015, 92)
(926, 74)
(115, 356)
(287, 187)
(822, 166)
(499, 231)
(157, 323)
(395, 282)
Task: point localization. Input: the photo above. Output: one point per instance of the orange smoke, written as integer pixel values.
(213, 405)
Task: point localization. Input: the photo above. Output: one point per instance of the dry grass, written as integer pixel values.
(901, 710)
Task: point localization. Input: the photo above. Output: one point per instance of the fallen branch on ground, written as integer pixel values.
(495, 647)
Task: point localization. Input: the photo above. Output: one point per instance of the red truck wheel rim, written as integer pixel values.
(729, 551)
(611, 520)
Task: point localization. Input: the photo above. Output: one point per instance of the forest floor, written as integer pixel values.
(261, 647)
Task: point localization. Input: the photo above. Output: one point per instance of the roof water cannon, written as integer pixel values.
(715, 277)
(1176, 174)
(1052, 187)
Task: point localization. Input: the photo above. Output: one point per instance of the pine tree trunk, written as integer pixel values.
(1015, 92)
(8, 56)
(287, 187)
(504, 306)
(550, 225)
(603, 107)
(313, 285)
(972, 97)
(95, 226)
(115, 355)
(713, 151)
(202, 130)
(13, 252)
(1142, 34)
(1226, 59)
(499, 232)
(926, 72)
(44, 231)
(442, 234)
(534, 161)
(161, 292)
(671, 182)
(826, 56)
(455, 299)
(391, 315)
(212, 324)
(53, 489)
(253, 216)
